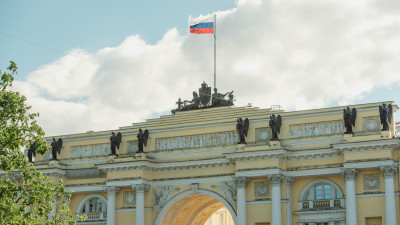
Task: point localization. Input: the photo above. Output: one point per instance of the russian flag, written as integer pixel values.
(204, 27)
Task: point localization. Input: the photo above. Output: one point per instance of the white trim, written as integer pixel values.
(86, 189)
(264, 202)
(369, 164)
(123, 210)
(183, 194)
(86, 198)
(314, 172)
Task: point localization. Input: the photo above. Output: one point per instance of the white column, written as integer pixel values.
(140, 190)
(54, 208)
(276, 181)
(111, 192)
(289, 182)
(390, 204)
(241, 183)
(351, 207)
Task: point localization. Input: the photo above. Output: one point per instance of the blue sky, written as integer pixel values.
(98, 65)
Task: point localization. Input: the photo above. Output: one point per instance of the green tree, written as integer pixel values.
(26, 195)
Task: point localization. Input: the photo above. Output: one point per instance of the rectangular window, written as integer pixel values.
(327, 191)
(318, 192)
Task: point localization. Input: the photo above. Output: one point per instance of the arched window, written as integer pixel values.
(325, 197)
(92, 208)
(321, 195)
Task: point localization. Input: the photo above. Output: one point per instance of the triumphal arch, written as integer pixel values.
(329, 166)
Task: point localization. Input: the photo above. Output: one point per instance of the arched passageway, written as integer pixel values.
(194, 209)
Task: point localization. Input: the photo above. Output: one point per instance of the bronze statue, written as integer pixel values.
(275, 124)
(56, 148)
(203, 100)
(115, 142)
(32, 152)
(385, 113)
(195, 103)
(242, 126)
(142, 139)
(349, 117)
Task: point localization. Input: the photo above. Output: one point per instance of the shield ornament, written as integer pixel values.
(205, 94)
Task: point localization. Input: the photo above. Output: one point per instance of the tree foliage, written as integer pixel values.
(26, 195)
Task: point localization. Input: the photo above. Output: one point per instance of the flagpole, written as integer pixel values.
(215, 52)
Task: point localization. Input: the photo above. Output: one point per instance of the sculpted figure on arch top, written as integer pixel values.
(385, 113)
(142, 139)
(349, 117)
(115, 142)
(275, 123)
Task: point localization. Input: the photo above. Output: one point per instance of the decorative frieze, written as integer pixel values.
(161, 197)
(228, 190)
(83, 151)
(198, 141)
(316, 129)
(371, 123)
(129, 198)
(262, 189)
(372, 181)
(388, 171)
(263, 134)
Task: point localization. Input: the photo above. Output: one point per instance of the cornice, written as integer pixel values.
(86, 189)
(280, 154)
(366, 145)
(53, 173)
(165, 166)
(369, 164)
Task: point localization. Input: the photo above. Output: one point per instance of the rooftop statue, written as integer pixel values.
(242, 126)
(115, 142)
(142, 139)
(56, 148)
(205, 100)
(32, 152)
(349, 117)
(275, 123)
(385, 113)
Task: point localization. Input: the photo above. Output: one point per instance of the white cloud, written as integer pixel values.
(299, 54)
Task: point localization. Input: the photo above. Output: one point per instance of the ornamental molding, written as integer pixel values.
(87, 189)
(388, 171)
(53, 173)
(369, 164)
(280, 154)
(289, 180)
(276, 179)
(229, 192)
(388, 144)
(349, 174)
(112, 190)
(165, 167)
(302, 155)
(140, 188)
(241, 182)
(372, 181)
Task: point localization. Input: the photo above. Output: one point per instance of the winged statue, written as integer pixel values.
(275, 123)
(32, 152)
(142, 139)
(385, 113)
(349, 117)
(115, 142)
(56, 147)
(242, 126)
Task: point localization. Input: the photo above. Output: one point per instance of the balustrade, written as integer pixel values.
(92, 216)
(323, 204)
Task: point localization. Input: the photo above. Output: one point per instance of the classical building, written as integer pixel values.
(194, 172)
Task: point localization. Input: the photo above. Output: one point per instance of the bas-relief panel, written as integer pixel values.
(129, 198)
(371, 123)
(90, 150)
(372, 181)
(198, 141)
(261, 189)
(316, 129)
(263, 134)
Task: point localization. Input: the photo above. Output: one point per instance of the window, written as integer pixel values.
(92, 208)
(321, 195)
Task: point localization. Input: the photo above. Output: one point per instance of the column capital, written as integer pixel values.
(276, 179)
(388, 171)
(349, 174)
(112, 190)
(140, 188)
(289, 180)
(241, 182)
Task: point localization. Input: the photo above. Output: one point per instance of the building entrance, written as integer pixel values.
(196, 209)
